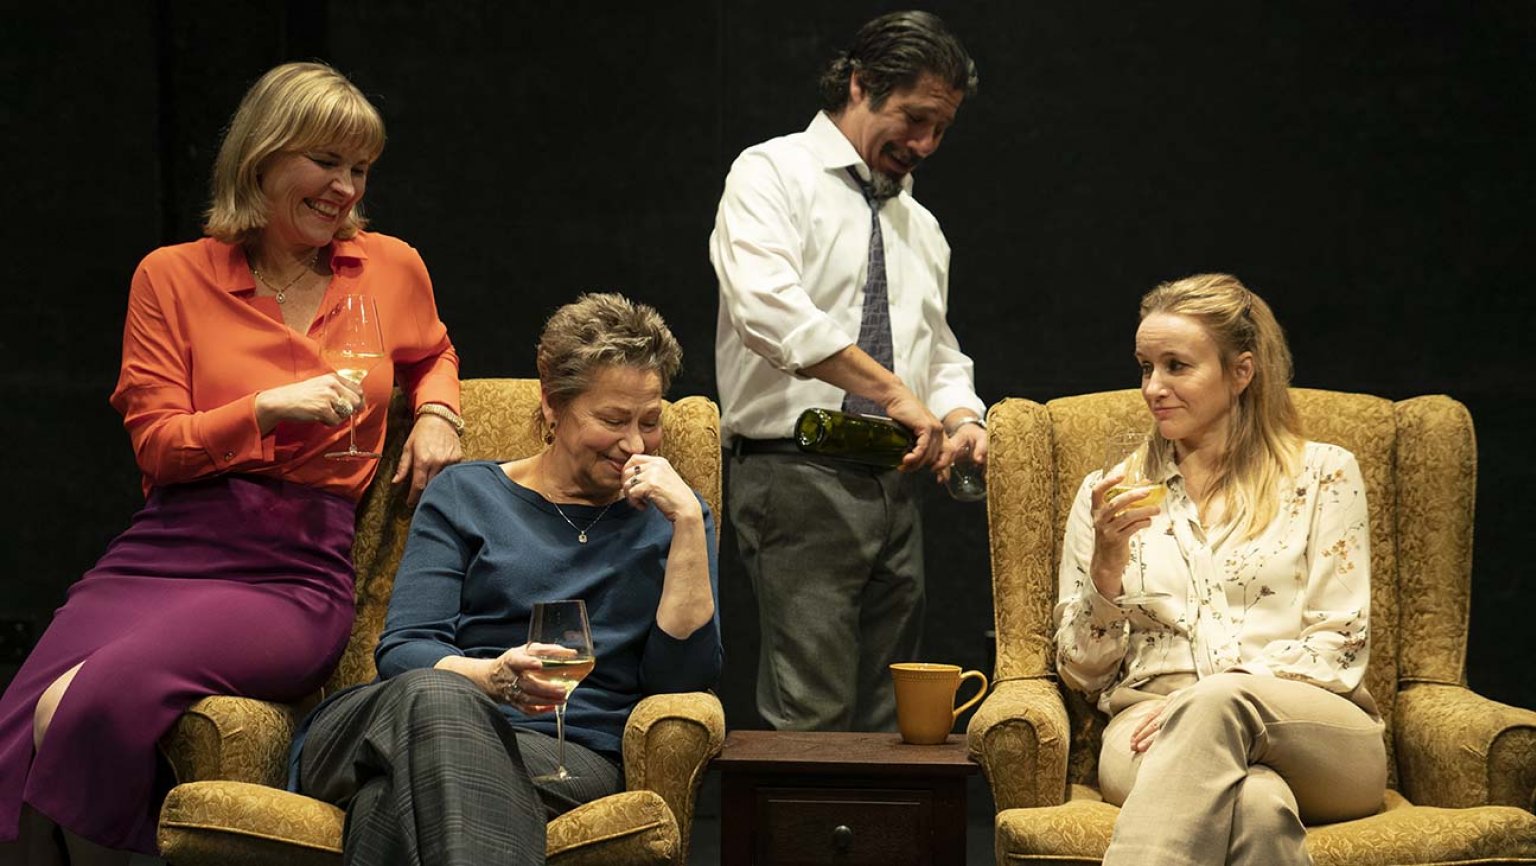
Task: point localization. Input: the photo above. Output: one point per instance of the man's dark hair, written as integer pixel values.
(891, 53)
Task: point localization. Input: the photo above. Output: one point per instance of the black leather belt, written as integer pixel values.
(746, 446)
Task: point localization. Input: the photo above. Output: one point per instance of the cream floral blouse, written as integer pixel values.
(1292, 602)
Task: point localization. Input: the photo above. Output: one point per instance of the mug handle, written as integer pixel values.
(980, 693)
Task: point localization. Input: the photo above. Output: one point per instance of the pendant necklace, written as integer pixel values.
(581, 534)
(281, 295)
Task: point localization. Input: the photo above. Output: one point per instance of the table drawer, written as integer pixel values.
(849, 827)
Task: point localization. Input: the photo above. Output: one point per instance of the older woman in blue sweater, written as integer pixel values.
(435, 763)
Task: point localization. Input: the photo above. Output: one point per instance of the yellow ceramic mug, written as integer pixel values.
(925, 700)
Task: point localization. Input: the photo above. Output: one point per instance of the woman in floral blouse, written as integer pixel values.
(1236, 702)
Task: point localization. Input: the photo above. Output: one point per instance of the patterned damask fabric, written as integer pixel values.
(1436, 491)
(1446, 746)
(1078, 832)
(239, 739)
(635, 827)
(668, 743)
(1022, 731)
(1457, 748)
(237, 824)
(240, 824)
(664, 738)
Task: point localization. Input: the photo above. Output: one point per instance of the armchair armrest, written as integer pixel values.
(1456, 748)
(1020, 735)
(233, 739)
(669, 741)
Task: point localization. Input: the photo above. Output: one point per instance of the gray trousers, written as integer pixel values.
(834, 551)
(1240, 765)
(432, 774)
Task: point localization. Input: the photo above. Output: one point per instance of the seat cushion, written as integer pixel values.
(241, 824)
(1428, 835)
(627, 829)
(1078, 832)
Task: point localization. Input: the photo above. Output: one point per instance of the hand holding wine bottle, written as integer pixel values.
(877, 441)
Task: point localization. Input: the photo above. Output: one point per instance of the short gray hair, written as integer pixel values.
(597, 331)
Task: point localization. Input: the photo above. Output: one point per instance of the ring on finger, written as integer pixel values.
(342, 407)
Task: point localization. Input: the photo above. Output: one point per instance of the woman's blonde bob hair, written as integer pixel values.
(1264, 436)
(597, 331)
(294, 107)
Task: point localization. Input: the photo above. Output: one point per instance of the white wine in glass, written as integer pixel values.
(1125, 452)
(352, 344)
(561, 638)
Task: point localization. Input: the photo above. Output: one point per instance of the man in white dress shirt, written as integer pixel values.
(834, 284)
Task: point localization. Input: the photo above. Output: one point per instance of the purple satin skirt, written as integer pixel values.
(232, 586)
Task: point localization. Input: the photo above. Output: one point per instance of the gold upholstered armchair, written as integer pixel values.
(1462, 768)
(231, 754)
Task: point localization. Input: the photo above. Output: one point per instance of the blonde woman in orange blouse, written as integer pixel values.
(236, 577)
(1236, 702)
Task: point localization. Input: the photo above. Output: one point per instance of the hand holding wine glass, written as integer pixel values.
(1125, 500)
(352, 344)
(560, 637)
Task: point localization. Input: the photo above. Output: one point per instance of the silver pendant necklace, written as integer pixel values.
(581, 534)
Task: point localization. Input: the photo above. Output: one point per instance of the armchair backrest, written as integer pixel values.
(498, 415)
(1418, 459)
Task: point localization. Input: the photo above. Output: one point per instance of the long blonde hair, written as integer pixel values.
(294, 107)
(1264, 437)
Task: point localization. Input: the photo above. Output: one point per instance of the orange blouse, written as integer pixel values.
(199, 344)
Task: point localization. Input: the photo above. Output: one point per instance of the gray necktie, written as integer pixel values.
(875, 321)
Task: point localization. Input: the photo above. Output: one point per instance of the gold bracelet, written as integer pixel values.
(444, 413)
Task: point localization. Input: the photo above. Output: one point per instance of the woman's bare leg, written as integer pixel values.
(48, 704)
(82, 852)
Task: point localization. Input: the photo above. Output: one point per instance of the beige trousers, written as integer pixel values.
(1240, 764)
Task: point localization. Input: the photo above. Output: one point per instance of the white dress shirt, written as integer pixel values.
(1293, 602)
(791, 251)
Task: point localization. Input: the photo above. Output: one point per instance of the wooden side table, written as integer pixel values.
(843, 798)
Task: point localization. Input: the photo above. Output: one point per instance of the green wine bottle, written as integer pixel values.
(867, 439)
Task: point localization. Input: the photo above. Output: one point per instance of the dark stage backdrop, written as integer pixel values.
(1363, 166)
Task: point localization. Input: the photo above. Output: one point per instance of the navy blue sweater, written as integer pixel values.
(483, 549)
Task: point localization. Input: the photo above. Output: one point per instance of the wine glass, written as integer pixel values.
(967, 479)
(350, 342)
(561, 639)
(1125, 451)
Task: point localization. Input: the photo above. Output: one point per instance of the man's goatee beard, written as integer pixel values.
(883, 185)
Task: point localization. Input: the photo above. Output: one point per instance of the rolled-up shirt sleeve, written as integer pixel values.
(756, 252)
(951, 381)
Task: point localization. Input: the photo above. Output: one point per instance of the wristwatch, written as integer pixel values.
(969, 419)
(444, 413)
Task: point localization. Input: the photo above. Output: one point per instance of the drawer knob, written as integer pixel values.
(842, 838)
